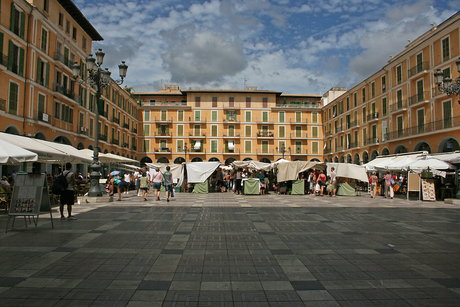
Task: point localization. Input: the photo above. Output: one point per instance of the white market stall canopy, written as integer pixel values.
(108, 158)
(252, 165)
(198, 172)
(47, 151)
(12, 154)
(290, 170)
(347, 170)
(177, 170)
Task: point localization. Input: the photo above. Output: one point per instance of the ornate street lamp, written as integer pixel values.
(99, 78)
(186, 150)
(445, 85)
(283, 150)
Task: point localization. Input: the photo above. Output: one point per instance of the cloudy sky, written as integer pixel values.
(293, 46)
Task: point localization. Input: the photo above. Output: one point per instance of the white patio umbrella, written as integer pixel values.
(431, 164)
(12, 154)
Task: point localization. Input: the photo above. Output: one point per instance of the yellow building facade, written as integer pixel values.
(228, 125)
(399, 108)
(40, 41)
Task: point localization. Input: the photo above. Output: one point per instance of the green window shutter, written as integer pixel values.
(13, 17)
(10, 55)
(213, 130)
(226, 146)
(1, 48)
(23, 25)
(214, 116)
(21, 62)
(159, 129)
(47, 75)
(41, 104)
(231, 131)
(39, 70)
(180, 130)
(264, 146)
(265, 116)
(201, 148)
(13, 103)
(167, 130)
(227, 115)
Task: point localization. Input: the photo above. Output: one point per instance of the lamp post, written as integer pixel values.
(185, 149)
(99, 78)
(445, 84)
(283, 150)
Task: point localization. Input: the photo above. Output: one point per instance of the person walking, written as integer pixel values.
(374, 179)
(168, 179)
(239, 177)
(322, 182)
(157, 179)
(127, 179)
(144, 185)
(67, 196)
(333, 182)
(387, 178)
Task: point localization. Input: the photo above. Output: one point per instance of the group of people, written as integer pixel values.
(231, 181)
(143, 179)
(389, 183)
(318, 181)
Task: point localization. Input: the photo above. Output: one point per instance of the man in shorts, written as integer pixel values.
(67, 196)
(168, 179)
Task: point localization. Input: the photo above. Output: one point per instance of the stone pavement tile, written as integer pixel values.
(246, 285)
(347, 295)
(182, 296)
(94, 284)
(282, 296)
(215, 286)
(315, 295)
(276, 285)
(10, 281)
(35, 282)
(154, 285)
(379, 294)
(185, 285)
(251, 304)
(149, 295)
(133, 303)
(307, 285)
(337, 284)
(74, 303)
(124, 284)
(83, 294)
(64, 283)
(215, 296)
(249, 296)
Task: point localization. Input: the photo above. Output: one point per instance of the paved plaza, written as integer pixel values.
(222, 249)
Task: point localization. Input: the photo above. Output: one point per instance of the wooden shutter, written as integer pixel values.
(21, 62)
(39, 71)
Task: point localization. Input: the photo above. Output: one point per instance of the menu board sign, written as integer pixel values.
(428, 190)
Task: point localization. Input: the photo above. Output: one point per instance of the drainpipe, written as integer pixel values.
(26, 69)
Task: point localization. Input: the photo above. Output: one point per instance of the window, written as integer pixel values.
(180, 130)
(264, 146)
(74, 33)
(445, 49)
(281, 131)
(214, 102)
(314, 117)
(196, 130)
(384, 106)
(341, 107)
(314, 132)
(61, 19)
(197, 102)
(13, 98)
(264, 102)
(384, 84)
(213, 145)
(147, 115)
(265, 131)
(400, 125)
(163, 115)
(18, 21)
(248, 102)
(41, 107)
(231, 130)
(421, 120)
(399, 74)
(365, 136)
(180, 115)
(197, 116)
(231, 102)
(214, 130)
(213, 115)
(46, 5)
(43, 72)
(66, 114)
(146, 146)
(44, 41)
(298, 117)
(373, 89)
(231, 115)
(67, 26)
(281, 117)
(420, 95)
(248, 116)
(264, 116)
(247, 131)
(247, 146)
(446, 72)
(298, 131)
(15, 59)
(348, 103)
(447, 113)
(355, 99)
(364, 115)
(180, 145)
(314, 147)
(399, 100)
(298, 147)
(83, 42)
(364, 94)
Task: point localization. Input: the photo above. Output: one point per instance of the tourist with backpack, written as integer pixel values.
(68, 194)
(168, 180)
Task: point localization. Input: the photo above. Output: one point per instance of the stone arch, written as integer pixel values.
(123, 154)
(248, 159)
(197, 159)
(12, 129)
(229, 161)
(356, 159)
(401, 148)
(145, 160)
(298, 159)
(179, 160)
(118, 153)
(40, 135)
(106, 151)
(265, 160)
(448, 144)
(80, 145)
(214, 159)
(163, 160)
(342, 159)
(325, 160)
(365, 157)
(62, 139)
(336, 159)
(374, 154)
(385, 151)
(90, 147)
(315, 160)
(349, 158)
(112, 152)
(422, 146)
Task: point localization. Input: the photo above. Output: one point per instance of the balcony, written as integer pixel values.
(265, 122)
(162, 150)
(231, 121)
(425, 128)
(66, 92)
(83, 131)
(115, 142)
(352, 124)
(126, 126)
(125, 145)
(116, 120)
(134, 130)
(300, 122)
(371, 141)
(399, 106)
(298, 136)
(133, 147)
(299, 152)
(60, 57)
(229, 106)
(421, 67)
(231, 152)
(298, 105)
(163, 120)
(373, 116)
(338, 129)
(419, 98)
(164, 104)
(162, 135)
(265, 134)
(328, 133)
(196, 120)
(43, 117)
(265, 152)
(103, 137)
(237, 136)
(353, 145)
(3, 59)
(197, 135)
(327, 151)
(3, 105)
(339, 148)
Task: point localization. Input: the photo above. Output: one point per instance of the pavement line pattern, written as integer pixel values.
(222, 249)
